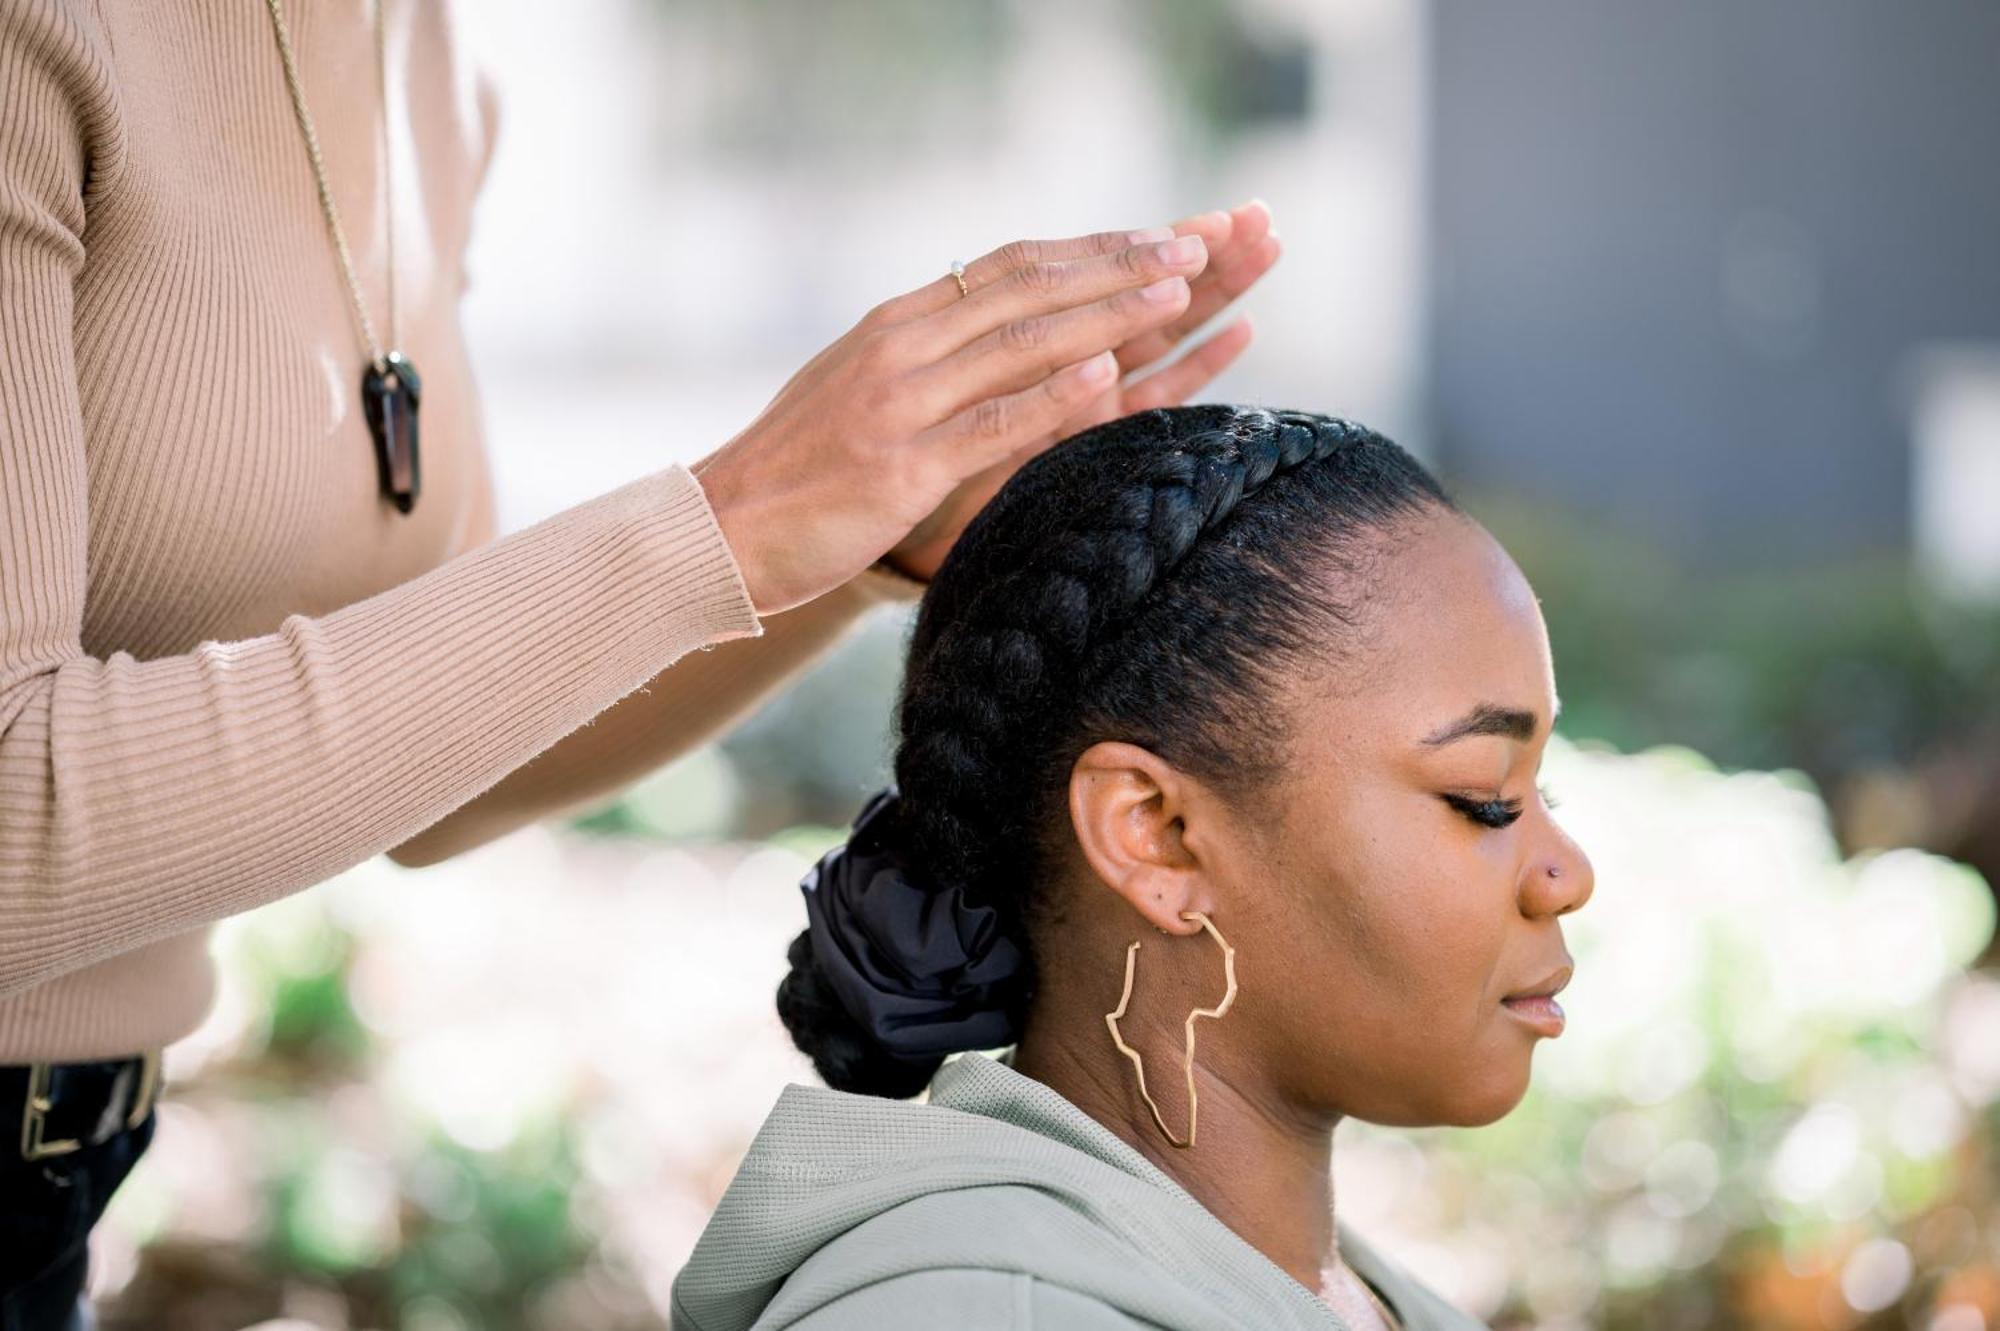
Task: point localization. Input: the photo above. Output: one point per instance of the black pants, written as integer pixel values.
(48, 1206)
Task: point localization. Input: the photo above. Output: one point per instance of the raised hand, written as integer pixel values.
(871, 446)
(1242, 246)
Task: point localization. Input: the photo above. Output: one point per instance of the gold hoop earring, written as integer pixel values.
(1187, 1057)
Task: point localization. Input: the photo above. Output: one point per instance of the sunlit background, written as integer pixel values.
(1695, 305)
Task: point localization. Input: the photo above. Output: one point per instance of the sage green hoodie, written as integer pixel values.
(997, 1204)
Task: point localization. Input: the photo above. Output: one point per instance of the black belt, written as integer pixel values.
(64, 1107)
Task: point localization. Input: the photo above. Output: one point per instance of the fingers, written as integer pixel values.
(1191, 373)
(1250, 223)
(982, 272)
(994, 428)
(1215, 227)
(1250, 251)
(1024, 350)
(1016, 255)
(1041, 289)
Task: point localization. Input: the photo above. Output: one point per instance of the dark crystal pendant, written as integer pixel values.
(389, 396)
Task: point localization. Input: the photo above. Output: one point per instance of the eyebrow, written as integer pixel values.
(1491, 719)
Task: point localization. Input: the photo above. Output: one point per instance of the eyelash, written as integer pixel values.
(1494, 814)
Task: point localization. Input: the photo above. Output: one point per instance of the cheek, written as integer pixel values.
(1424, 914)
(1459, 1058)
(1368, 938)
(1398, 926)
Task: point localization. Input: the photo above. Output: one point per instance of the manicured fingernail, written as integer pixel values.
(1184, 250)
(1099, 368)
(1165, 290)
(1151, 234)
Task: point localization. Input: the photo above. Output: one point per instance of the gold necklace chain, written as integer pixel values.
(375, 354)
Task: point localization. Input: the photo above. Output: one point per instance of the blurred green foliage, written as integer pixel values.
(489, 1230)
(417, 1230)
(1821, 668)
(298, 971)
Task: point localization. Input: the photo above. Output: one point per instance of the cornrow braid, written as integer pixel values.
(1140, 581)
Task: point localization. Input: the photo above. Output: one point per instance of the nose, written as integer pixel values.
(1559, 879)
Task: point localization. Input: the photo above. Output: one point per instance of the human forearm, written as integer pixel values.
(143, 798)
(691, 702)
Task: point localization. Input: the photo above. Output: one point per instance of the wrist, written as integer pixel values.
(889, 579)
(732, 523)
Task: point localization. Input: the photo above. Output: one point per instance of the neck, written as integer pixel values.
(1264, 1172)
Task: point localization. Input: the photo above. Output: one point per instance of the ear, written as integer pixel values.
(1129, 809)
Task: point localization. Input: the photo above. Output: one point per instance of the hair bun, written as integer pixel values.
(841, 1051)
(893, 973)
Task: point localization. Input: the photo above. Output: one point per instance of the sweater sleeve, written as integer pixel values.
(690, 703)
(139, 799)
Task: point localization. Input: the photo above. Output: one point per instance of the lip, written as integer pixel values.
(1542, 1014)
(1536, 1006)
(1548, 986)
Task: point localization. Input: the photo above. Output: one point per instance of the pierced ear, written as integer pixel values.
(1129, 809)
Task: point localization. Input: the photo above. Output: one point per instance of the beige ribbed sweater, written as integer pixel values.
(228, 669)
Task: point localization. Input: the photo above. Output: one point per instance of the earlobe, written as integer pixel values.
(1128, 808)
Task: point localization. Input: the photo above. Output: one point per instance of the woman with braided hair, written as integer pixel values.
(1215, 809)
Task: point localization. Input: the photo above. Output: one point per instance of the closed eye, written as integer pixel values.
(1493, 813)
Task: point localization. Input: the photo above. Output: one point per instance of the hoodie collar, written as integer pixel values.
(825, 1163)
(988, 1086)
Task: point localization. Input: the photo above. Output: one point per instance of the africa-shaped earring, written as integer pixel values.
(1187, 1057)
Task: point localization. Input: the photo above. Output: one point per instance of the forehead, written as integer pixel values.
(1453, 624)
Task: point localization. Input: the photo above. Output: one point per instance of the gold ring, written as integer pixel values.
(958, 276)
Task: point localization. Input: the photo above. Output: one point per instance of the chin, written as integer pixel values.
(1465, 1103)
(1489, 1099)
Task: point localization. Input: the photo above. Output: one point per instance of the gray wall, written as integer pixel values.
(1684, 249)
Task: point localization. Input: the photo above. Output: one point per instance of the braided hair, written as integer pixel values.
(1147, 580)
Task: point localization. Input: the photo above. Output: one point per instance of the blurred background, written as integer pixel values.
(1694, 305)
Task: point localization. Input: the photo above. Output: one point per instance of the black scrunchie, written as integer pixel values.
(924, 972)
